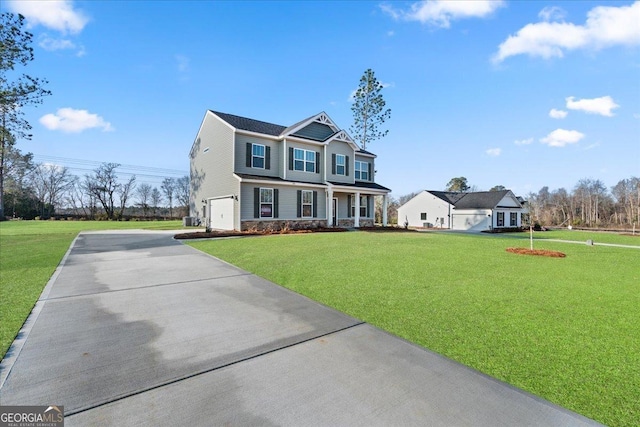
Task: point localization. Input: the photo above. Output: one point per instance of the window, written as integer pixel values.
(363, 207)
(423, 216)
(266, 203)
(307, 204)
(304, 160)
(500, 219)
(514, 219)
(340, 164)
(362, 170)
(258, 155)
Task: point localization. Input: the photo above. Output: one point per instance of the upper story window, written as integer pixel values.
(340, 164)
(258, 155)
(362, 170)
(304, 160)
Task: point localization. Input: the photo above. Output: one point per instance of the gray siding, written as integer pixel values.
(293, 175)
(287, 201)
(241, 153)
(211, 164)
(338, 147)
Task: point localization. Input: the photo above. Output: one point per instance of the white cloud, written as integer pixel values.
(494, 152)
(57, 15)
(562, 137)
(391, 33)
(557, 114)
(523, 141)
(440, 13)
(602, 105)
(70, 120)
(552, 13)
(605, 26)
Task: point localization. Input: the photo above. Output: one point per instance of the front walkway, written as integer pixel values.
(138, 329)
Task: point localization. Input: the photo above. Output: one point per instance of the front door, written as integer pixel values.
(335, 212)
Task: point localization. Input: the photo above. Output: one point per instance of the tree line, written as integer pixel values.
(37, 190)
(589, 204)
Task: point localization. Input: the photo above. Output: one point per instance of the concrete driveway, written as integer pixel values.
(135, 328)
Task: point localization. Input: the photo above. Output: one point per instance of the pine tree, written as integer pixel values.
(368, 110)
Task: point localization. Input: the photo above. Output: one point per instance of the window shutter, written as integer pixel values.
(333, 163)
(275, 203)
(290, 158)
(346, 167)
(370, 168)
(299, 204)
(349, 206)
(256, 202)
(317, 162)
(267, 158)
(249, 154)
(315, 204)
(369, 207)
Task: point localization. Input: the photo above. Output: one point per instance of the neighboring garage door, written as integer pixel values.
(221, 211)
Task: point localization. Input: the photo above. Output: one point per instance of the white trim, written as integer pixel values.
(322, 118)
(228, 196)
(344, 165)
(279, 183)
(260, 203)
(371, 155)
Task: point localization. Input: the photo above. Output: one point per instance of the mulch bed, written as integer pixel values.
(214, 234)
(540, 252)
(630, 234)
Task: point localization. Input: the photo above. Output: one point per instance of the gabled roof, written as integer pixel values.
(251, 125)
(481, 200)
(475, 200)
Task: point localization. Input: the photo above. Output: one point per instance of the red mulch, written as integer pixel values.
(213, 234)
(541, 252)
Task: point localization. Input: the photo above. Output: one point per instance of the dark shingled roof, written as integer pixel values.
(371, 185)
(251, 125)
(481, 200)
(476, 200)
(274, 178)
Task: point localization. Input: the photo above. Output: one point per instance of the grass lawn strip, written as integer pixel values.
(565, 329)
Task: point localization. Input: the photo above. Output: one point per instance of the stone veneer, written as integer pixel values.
(277, 225)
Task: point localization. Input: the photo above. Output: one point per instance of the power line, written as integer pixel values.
(150, 171)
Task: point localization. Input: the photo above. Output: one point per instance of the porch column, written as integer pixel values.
(356, 217)
(385, 206)
(330, 207)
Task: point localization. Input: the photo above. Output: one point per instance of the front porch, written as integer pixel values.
(353, 206)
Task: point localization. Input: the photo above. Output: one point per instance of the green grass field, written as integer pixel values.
(583, 236)
(30, 251)
(565, 329)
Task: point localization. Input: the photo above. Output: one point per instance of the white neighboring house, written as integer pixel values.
(477, 211)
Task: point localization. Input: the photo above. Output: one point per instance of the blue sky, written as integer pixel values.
(513, 93)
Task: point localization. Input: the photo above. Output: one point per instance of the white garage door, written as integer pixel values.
(221, 212)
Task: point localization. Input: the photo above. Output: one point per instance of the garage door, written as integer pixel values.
(221, 212)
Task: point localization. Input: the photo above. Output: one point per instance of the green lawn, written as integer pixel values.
(566, 329)
(30, 251)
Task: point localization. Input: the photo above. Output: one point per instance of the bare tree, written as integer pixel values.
(143, 193)
(169, 188)
(124, 191)
(156, 199)
(182, 192)
(50, 183)
(103, 184)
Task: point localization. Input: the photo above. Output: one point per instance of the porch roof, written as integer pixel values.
(363, 185)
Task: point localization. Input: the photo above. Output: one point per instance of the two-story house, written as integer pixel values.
(247, 174)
